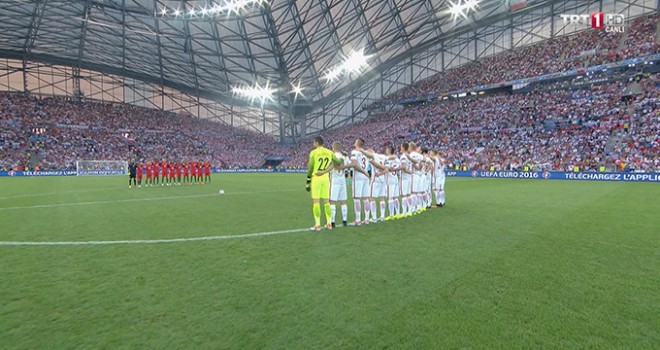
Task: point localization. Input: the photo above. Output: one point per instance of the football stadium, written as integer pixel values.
(329, 174)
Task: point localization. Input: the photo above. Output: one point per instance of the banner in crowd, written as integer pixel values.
(100, 172)
(39, 173)
(540, 175)
(259, 170)
(557, 175)
(119, 172)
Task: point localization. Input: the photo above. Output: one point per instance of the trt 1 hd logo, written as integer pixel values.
(611, 22)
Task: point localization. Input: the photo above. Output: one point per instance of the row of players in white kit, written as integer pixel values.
(404, 184)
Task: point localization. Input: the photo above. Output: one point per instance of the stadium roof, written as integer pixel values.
(209, 48)
(284, 42)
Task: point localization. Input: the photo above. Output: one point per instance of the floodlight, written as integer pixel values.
(355, 61)
(455, 8)
(471, 4)
(297, 90)
(229, 7)
(262, 93)
(462, 7)
(333, 73)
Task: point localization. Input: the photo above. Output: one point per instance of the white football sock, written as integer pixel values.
(367, 207)
(344, 212)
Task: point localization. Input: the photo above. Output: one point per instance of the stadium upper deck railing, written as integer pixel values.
(523, 81)
(533, 175)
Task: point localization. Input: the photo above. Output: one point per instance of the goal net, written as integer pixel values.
(101, 167)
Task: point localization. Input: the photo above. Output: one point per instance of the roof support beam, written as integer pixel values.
(81, 50)
(221, 56)
(284, 118)
(421, 48)
(158, 45)
(367, 28)
(83, 31)
(214, 96)
(306, 50)
(189, 47)
(28, 45)
(35, 22)
(250, 58)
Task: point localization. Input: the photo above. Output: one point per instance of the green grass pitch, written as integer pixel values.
(507, 264)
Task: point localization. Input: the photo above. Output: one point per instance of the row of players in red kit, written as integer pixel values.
(168, 174)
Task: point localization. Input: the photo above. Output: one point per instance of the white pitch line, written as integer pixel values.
(153, 241)
(40, 206)
(54, 193)
(102, 189)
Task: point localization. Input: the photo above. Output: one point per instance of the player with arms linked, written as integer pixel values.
(318, 181)
(338, 182)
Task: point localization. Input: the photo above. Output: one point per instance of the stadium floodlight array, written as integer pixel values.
(353, 64)
(101, 167)
(462, 7)
(256, 92)
(229, 8)
(297, 89)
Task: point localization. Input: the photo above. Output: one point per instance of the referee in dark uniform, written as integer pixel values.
(132, 172)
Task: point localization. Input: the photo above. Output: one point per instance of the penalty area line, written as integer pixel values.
(130, 200)
(155, 241)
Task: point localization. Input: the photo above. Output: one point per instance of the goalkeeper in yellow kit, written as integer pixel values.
(318, 181)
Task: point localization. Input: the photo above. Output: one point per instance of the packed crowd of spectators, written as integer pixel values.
(638, 146)
(542, 130)
(583, 49)
(63, 131)
(546, 129)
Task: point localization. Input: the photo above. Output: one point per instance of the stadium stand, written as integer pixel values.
(63, 131)
(549, 130)
(555, 128)
(583, 49)
(636, 146)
